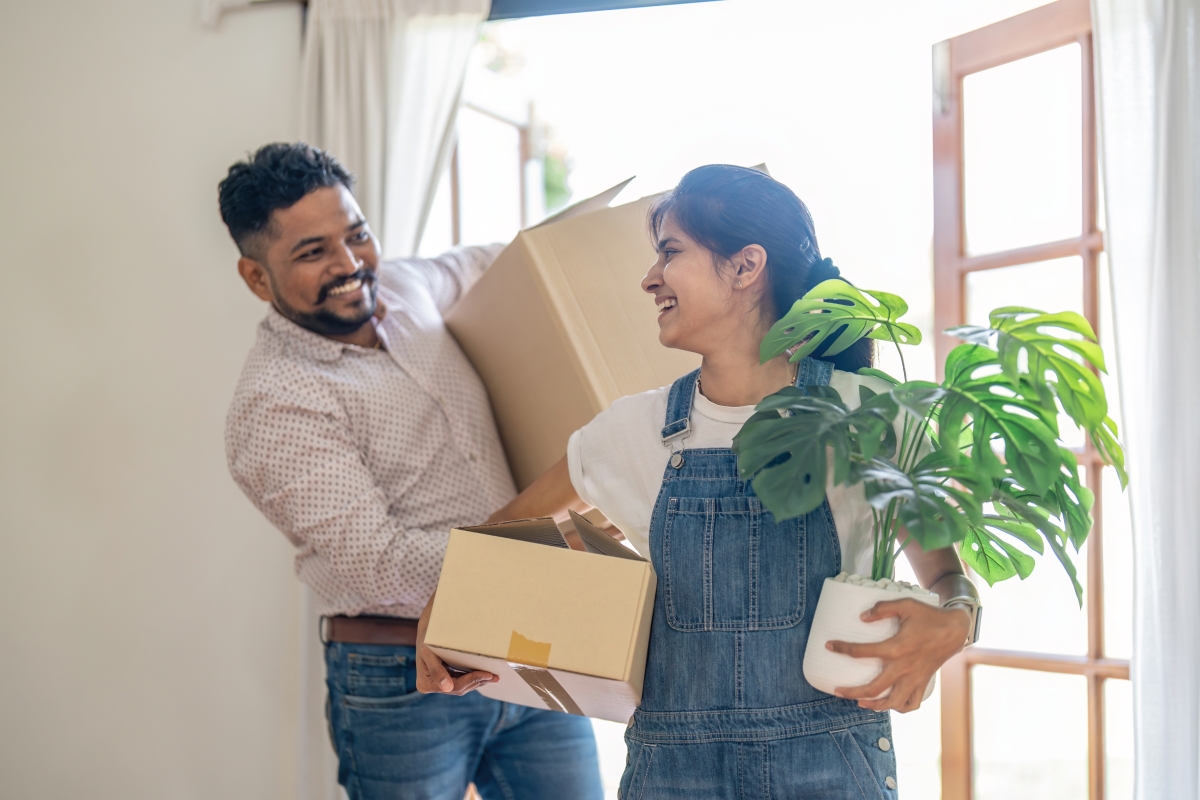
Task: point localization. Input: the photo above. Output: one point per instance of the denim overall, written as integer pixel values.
(726, 712)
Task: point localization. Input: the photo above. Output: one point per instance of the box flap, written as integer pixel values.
(598, 542)
(541, 530)
(594, 203)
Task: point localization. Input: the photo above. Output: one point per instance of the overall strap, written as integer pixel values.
(679, 408)
(812, 373)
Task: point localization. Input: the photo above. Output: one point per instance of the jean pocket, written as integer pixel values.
(728, 565)
(374, 679)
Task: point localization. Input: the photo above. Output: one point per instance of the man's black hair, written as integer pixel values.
(277, 176)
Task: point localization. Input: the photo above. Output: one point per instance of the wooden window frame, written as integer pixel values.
(1037, 31)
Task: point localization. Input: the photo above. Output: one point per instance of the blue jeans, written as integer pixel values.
(393, 742)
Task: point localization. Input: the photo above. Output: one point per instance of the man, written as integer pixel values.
(361, 431)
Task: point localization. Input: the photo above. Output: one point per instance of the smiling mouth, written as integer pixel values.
(346, 288)
(666, 304)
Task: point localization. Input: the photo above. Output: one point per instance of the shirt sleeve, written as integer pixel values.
(301, 466)
(448, 276)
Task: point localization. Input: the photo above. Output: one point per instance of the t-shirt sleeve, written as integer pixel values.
(616, 463)
(575, 467)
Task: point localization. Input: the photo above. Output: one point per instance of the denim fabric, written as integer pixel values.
(726, 712)
(394, 743)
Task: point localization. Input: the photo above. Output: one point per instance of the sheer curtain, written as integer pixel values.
(1149, 78)
(380, 87)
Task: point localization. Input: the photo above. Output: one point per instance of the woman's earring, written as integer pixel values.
(738, 284)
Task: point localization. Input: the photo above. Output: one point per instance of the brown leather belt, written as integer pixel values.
(370, 630)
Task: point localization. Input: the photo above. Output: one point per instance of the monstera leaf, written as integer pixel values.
(1034, 508)
(978, 396)
(785, 455)
(833, 311)
(989, 551)
(937, 501)
(1060, 356)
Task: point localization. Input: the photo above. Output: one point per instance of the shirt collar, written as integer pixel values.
(311, 344)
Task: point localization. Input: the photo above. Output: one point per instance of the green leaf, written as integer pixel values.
(1105, 440)
(1074, 500)
(996, 559)
(937, 500)
(1034, 509)
(978, 396)
(785, 456)
(1061, 346)
(871, 372)
(836, 313)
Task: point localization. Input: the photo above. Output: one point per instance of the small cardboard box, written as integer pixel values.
(563, 629)
(559, 327)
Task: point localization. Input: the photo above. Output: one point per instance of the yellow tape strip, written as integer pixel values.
(529, 659)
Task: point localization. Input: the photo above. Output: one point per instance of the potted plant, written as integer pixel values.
(978, 460)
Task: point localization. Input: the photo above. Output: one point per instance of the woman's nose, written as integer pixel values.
(653, 278)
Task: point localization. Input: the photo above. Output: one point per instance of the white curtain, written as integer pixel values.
(380, 90)
(1149, 70)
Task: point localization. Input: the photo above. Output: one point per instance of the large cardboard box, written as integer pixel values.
(563, 629)
(559, 327)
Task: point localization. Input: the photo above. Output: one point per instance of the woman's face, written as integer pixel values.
(700, 306)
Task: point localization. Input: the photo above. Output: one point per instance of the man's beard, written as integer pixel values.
(329, 323)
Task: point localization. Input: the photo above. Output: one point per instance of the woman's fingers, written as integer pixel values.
(867, 691)
(859, 650)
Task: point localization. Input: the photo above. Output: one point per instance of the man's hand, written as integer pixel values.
(432, 676)
(928, 637)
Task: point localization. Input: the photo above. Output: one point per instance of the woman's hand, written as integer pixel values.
(432, 675)
(928, 637)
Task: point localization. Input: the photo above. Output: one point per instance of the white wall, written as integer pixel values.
(148, 615)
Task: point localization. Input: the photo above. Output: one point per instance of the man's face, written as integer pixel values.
(317, 264)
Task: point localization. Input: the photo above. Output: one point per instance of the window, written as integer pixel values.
(1017, 221)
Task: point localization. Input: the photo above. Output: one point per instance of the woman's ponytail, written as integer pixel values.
(726, 208)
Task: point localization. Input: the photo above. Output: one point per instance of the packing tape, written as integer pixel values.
(530, 659)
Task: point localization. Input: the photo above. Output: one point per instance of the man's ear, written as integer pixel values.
(749, 265)
(255, 276)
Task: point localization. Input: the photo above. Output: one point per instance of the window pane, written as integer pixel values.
(1022, 152)
(1038, 614)
(438, 236)
(1046, 285)
(1118, 739)
(1052, 286)
(1030, 735)
(489, 168)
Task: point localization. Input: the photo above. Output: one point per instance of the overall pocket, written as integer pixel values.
(729, 566)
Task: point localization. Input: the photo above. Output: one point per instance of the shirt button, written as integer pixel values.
(472, 457)
(884, 745)
(889, 782)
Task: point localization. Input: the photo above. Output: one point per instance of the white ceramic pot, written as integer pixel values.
(838, 618)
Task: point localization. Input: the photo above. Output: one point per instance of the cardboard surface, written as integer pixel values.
(559, 327)
(563, 629)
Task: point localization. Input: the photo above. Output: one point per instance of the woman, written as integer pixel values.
(725, 709)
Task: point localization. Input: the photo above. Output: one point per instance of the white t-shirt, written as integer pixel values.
(617, 462)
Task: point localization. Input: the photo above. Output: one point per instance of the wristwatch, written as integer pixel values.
(974, 608)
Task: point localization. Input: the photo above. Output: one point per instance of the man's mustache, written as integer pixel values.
(367, 277)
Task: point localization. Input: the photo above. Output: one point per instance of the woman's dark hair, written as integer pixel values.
(726, 208)
(277, 176)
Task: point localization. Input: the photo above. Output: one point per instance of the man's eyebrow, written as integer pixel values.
(307, 242)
